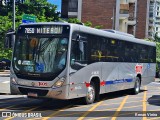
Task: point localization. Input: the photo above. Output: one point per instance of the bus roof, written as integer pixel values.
(105, 33)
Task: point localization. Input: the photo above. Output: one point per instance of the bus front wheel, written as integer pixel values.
(90, 96)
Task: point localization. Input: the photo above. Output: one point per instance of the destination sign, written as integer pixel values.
(43, 29)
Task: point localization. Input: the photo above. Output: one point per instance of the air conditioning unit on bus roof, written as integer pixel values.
(118, 32)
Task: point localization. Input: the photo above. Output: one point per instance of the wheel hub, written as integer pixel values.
(137, 86)
(90, 93)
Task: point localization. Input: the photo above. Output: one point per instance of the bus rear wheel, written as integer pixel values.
(137, 85)
(90, 96)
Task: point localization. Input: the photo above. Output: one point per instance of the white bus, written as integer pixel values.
(66, 61)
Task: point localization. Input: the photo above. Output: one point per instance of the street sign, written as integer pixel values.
(27, 21)
(28, 18)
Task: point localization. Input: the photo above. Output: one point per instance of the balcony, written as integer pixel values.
(157, 16)
(151, 24)
(131, 1)
(158, 2)
(151, 19)
(73, 14)
(73, 8)
(150, 35)
(151, 31)
(124, 6)
(131, 19)
(124, 11)
(157, 24)
(157, 20)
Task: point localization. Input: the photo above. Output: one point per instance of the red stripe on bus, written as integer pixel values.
(87, 84)
(102, 83)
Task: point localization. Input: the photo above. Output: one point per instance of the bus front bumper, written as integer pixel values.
(56, 93)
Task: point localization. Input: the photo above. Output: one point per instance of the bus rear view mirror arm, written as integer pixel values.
(11, 33)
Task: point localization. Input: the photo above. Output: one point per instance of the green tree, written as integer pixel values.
(156, 37)
(73, 20)
(44, 12)
(158, 52)
(88, 23)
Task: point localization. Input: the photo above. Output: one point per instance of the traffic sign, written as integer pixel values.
(27, 21)
(28, 18)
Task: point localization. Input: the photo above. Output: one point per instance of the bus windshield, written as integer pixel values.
(40, 54)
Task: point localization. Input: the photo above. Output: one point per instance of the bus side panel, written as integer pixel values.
(118, 76)
(149, 70)
(126, 75)
(81, 78)
(109, 74)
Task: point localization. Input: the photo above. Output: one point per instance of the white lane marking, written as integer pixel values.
(6, 82)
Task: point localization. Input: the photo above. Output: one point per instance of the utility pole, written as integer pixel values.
(13, 36)
(14, 15)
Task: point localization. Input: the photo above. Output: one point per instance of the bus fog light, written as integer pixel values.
(59, 83)
(13, 80)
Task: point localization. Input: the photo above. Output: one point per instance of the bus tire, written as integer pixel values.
(137, 85)
(90, 96)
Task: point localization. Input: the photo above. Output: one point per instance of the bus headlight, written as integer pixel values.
(59, 82)
(13, 80)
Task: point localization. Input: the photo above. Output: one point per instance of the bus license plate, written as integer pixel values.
(32, 94)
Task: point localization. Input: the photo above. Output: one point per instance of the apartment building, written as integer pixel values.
(154, 18)
(130, 16)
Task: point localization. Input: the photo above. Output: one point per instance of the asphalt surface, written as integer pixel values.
(112, 106)
(4, 85)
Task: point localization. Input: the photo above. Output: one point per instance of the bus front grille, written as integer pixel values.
(39, 92)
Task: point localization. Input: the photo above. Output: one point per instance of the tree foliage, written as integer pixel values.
(158, 52)
(157, 40)
(157, 48)
(44, 12)
(156, 37)
(88, 23)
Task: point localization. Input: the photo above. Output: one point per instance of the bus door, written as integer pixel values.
(78, 61)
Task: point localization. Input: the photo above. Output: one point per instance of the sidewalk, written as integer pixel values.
(5, 73)
(157, 79)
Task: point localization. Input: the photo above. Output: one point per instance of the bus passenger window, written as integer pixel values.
(78, 54)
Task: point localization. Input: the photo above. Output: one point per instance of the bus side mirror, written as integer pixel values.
(72, 61)
(9, 39)
(78, 38)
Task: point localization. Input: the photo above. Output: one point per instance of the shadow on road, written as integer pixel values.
(154, 100)
(23, 104)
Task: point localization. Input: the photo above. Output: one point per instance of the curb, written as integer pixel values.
(4, 75)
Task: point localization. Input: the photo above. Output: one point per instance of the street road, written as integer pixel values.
(4, 85)
(113, 106)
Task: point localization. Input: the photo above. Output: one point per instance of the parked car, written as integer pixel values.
(5, 64)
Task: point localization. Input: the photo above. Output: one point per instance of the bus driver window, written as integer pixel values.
(63, 52)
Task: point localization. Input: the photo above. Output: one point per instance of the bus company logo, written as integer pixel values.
(138, 69)
(6, 114)
(33, 84)
(42, 83)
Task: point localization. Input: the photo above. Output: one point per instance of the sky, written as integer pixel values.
(56, 2)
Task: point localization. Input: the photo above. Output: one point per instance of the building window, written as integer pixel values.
(151, 14)
(73, 6)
